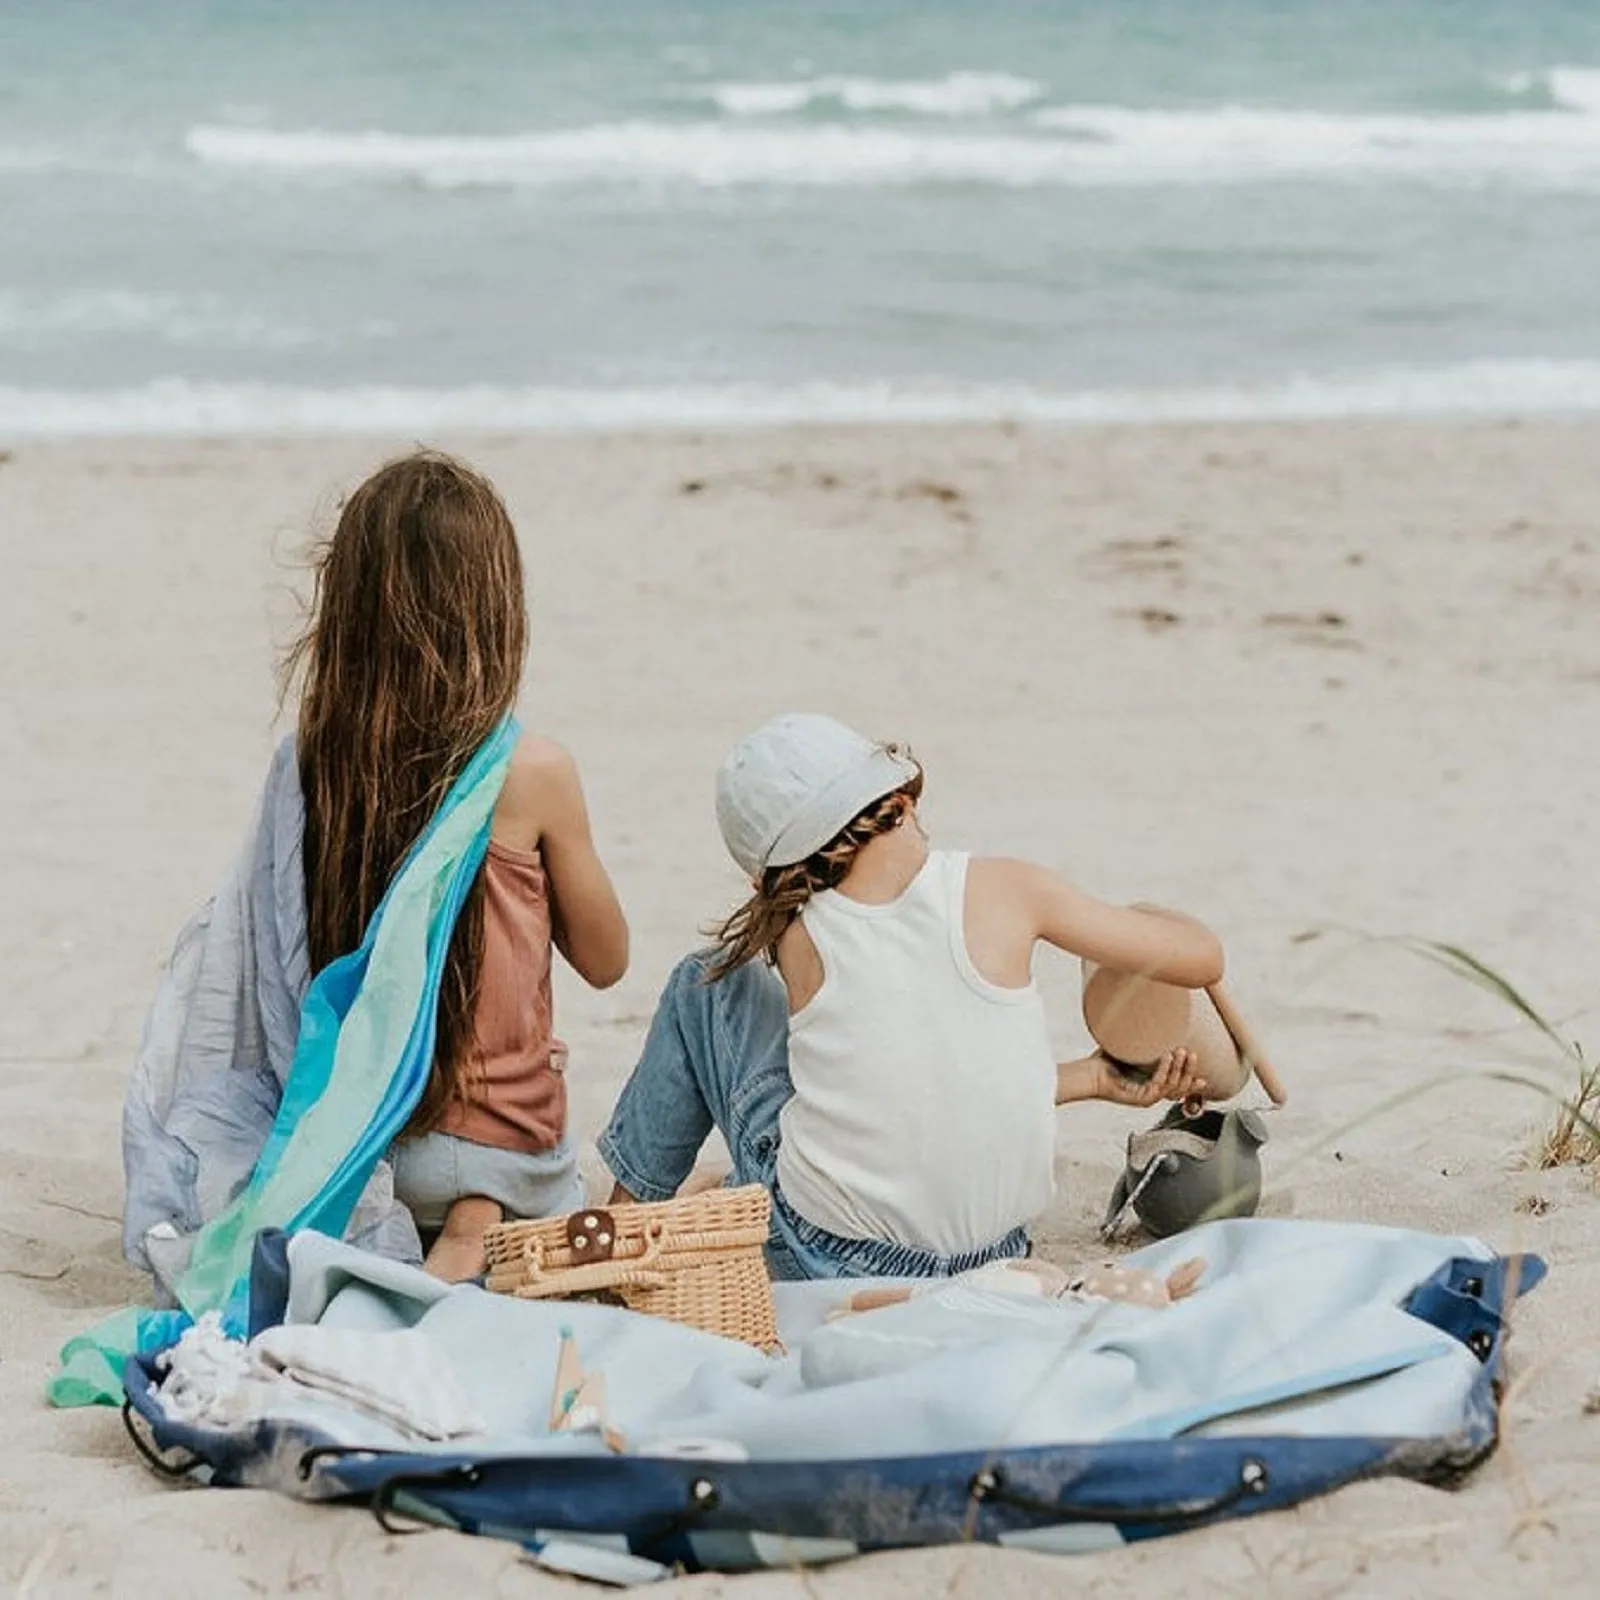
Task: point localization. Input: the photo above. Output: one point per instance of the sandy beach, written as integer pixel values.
(1314, 682)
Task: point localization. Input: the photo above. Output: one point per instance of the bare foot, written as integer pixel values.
(458, 1254)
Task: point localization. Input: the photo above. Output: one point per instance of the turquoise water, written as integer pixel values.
(398, 214)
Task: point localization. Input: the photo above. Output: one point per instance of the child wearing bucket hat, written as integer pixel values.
(865, 1033)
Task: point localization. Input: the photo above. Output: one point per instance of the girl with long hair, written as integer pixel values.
(865, 1032)
(412, 657)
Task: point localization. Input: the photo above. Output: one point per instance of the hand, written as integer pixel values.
(1176, 1077)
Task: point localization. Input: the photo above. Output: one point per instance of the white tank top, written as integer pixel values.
(924, 1095)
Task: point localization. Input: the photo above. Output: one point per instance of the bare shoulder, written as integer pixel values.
(539, 762)
(1000, 918)
(540, 786)
(1005, 877)
(1022, 892)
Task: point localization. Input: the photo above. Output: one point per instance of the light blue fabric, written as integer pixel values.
(1296, 1329)
(362, 1058)
(717, 1055)
(365, 1048)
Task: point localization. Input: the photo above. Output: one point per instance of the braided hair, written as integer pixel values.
(755, 928)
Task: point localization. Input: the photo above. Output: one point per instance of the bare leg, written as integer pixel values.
(458, 1254)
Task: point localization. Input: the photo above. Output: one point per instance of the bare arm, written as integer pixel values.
(1165, 945)
(587, 923)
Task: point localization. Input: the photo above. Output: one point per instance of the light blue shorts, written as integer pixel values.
(433, 1172)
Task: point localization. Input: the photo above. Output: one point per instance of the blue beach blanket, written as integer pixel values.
(1311, 1355)
(362, 1054)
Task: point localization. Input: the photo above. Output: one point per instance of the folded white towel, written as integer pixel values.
(399, 1378)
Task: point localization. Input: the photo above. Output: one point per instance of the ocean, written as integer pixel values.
(394, 215)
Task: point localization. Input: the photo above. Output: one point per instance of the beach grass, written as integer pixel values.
(1573, 1136)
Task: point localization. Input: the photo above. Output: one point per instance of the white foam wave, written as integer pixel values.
(1541, 148)
(1576, 88)
(174, 406)
(959, 94)
(711, 155)
(1569, 88)
(1067, 145)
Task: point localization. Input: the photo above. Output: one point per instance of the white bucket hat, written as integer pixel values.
(794, 783)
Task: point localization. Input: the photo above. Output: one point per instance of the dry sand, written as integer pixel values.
(1294, 678)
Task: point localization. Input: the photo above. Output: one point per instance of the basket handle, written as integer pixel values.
(586, 1280)
(533, 1255)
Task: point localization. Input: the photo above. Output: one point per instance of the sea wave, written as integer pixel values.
(711, 155)
(178, 407)
(1563, 88)
(1540, 148)
(98, 314)
(958, 94)
(1065, 146)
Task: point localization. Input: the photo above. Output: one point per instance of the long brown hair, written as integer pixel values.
(754, 929)
(411, 656)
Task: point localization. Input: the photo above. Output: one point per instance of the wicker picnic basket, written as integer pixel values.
(697, 1260)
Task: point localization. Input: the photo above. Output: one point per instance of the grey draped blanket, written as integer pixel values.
(217, 1047)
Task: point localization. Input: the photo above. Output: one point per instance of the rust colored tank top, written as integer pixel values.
(516, 1098)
